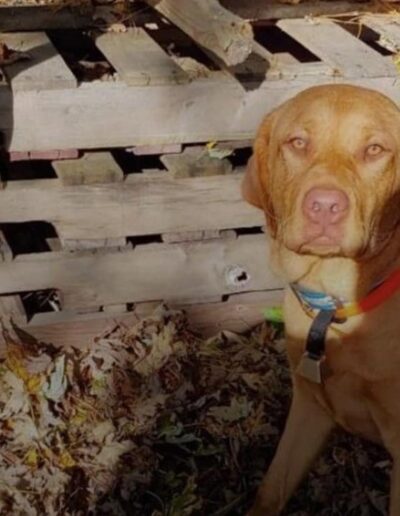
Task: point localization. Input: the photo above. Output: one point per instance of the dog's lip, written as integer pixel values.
(321, 244)
(322, 240)
(321, 237)
(327, 248)
(318, 247)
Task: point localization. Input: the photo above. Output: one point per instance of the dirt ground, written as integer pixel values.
(153, 420)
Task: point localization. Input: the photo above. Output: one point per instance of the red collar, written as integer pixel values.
(310, 299)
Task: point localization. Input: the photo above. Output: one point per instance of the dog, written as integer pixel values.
(325, 170)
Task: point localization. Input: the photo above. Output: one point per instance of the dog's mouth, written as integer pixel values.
(322, 245)
(322, 236)
(329, 240)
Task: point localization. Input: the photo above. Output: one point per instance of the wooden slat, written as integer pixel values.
(192, 236)
(252, 71)
(5, 250)
(147, 150)
(92, 243)
(240, 313)
(45, 70)
(142, 204)
(34, 17)
(335, 46)
(276, 9)
(284, 65)
(11, 307)
(388, 27)
(138, 59)
(92, 168)
(214, 108)
(149, 272)
(210, 25)
(285, 58)
(76, 15)
(195, 162)
(300, 71)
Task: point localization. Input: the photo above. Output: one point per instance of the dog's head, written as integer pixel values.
(326, 171)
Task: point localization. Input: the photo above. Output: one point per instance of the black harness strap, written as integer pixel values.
(315, 345)
(313, 364)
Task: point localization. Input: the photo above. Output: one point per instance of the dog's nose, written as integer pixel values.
(324, 206)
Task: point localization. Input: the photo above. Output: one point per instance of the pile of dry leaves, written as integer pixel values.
(152, 420)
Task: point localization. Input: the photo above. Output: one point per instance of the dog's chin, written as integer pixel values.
(323, 247)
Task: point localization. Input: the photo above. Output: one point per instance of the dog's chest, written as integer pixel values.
(364, 356)
(347, 398)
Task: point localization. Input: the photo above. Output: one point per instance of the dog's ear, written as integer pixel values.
(252, 190)
(255, 184)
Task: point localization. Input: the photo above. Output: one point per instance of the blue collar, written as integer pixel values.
(312, 300)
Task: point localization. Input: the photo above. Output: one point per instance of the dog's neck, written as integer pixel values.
(341, 277)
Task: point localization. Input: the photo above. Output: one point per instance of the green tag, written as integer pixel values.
(274, 314)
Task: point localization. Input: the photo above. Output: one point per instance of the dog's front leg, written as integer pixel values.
(307, 428)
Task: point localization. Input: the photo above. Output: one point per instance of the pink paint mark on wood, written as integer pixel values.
(44, 155)
(18, 156)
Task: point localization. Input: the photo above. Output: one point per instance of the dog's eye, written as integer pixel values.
(374, 150)
(298, 143)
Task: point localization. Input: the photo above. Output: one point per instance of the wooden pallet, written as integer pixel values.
(153, 99)
(131, 238)
(99, 268)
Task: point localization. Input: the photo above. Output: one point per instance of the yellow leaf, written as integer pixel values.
(31, 458)
(15, 364)
(33, 383)
(396, 60)
(66, 460)
(80, 417)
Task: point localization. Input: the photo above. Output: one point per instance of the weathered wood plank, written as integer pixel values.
(191, 236)
(70, 244)
(211, 26)
(299, 71)
(44, 155)
(41, 17)
(152, 203)
(5, 250)
(11, 307)
(335, 46)
(147, 150)
(29, 18)
(92, 168)
(214, 108)
(251, 72)
(195, 162)
(138, 59)
(276, 9)
(147, 273)
(240, 313)
(44, 70)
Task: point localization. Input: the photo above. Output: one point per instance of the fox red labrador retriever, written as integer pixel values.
(326, 172)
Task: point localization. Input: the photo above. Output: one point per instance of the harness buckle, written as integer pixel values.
(314, 368)
(312, 365)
